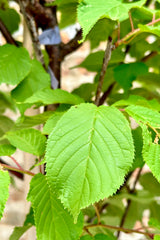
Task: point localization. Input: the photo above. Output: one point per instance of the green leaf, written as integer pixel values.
(28, 223)
(149, 183)
(140, 101)
(36, 80)
(82, 164)
(156, 237)
(138, 143)
(14, 64)
(51, 122)
(154, 223)
(151, 153)
(5, 125)
(65, 7)
(93, 62)
(125, 74)
(101, 31)
(90, 11)
(150, 29)
(6, 102)
(6, 150)
(96, 237)
(10, 18)
(4, 190)
(49, 96)
(28, 140)
(144, 115)
(19, 231)
(55, 223)
(30, 121)
(86, 91)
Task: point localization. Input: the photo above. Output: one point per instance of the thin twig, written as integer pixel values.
(106, 59)
(106, 94)
(131, 21)
(6, 34)
(129, 202)
(149, 56)
(132, 33)
(72, 45)
(126, 230)
(17, 174)
(32, 28)
(5, 166)
(97, 213)
(15, 161)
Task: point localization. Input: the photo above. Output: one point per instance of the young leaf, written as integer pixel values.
(28, 140)
(144, 115)
(90, 11)
(49, 96)
(88, 154)
(14, 64)
(4, 189)
(36, 80)
(52, 221)
(6, 150)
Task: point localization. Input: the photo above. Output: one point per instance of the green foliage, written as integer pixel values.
(6, 150)
(28, 140)
(128, 70)
(55, 222)
(92, 156)
(14, 64)
(4, 191)
(28, 223)
(90, 11)
(11, 19)
(78, 131)
(36, 80)
(48, 96)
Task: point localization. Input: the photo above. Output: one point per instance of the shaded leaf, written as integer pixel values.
(125, 74)
(10, 18)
